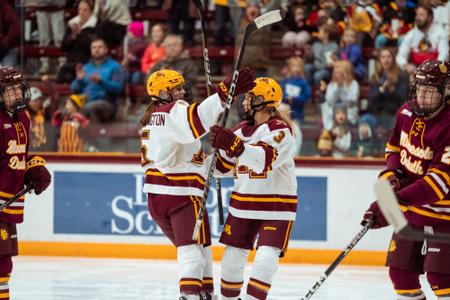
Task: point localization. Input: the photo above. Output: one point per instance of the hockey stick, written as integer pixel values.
(268, 18)
(387, 201)
(338, 260)
(16, 196)
(201, 12)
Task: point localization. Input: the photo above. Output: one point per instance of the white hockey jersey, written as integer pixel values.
(171, 147)
(265, 185)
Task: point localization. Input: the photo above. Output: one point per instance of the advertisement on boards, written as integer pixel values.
(114, 204)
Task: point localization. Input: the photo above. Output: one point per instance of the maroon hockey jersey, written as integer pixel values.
(421, 149)
(13, 153)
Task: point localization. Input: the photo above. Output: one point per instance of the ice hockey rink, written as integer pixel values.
(64, 278)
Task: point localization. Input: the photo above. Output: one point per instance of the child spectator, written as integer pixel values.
(296, 89)
(154, 51)
(342, 90)
(70, 119)
(36, 110)
(285, 112)
(320, 57)
(365, 142)
(136, 47)
(352, 52)
(299, 32)
(342, 136)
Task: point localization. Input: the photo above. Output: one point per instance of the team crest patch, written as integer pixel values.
(406, 112)
(443, 68)
(227, 229)
(4, 234)
(392, 246)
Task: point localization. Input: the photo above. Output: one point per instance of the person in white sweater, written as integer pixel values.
(342, 90)
(425, 41)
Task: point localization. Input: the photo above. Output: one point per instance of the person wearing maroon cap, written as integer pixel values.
(17, 168)
(418, 167)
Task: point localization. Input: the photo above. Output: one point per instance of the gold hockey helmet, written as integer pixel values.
(160, 83)
(269, 90)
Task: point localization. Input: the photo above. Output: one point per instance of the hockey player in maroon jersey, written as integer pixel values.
(418, 167)
(264, 198)
(176, 170)
(16, 167)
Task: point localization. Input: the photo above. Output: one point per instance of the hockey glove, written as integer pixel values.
(244, 83)
(226, 140)
(37, 174)
(392, 177)
(374, 213)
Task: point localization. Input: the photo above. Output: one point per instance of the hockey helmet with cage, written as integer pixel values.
(266, 93)
(9, 78)
(269, 90)
(430, 77)
(161, 83)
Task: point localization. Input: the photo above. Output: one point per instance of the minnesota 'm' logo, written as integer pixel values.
(227, 229)
(4, 234)
(392, 246)
(159, 74)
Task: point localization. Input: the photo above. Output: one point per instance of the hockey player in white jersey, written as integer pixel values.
(175, 170)
(264, 198)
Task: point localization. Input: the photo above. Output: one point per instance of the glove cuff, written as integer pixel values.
(386, 174)
(35, 161)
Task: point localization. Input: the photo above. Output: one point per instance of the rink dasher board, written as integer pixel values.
(97, 209)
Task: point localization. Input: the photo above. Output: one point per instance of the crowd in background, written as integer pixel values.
(331, 89)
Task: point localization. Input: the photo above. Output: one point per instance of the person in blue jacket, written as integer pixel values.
(296, 89)
(352, 52)
(101, 80)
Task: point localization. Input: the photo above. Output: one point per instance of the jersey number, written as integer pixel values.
(446, 156)
(145, 135)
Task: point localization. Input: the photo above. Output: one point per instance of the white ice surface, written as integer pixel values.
(61, 278)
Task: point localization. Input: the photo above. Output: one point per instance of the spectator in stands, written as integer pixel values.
(50, 24)
(181, 11)
(257, 52)
(36, 111)
(343, 90)
(177, 59)
(223, 28)
(296, 90)
(388, 85)
(136, 47)
(69, 120)
(320, 57)
(286, 113)
(365, 19)
(10, 33)
(441, 14)
(425, 41)
(154, 51)
(77, 41)
(298, 32)
(342, 136)
(114, 17)
(335, 10)
(352, 52)
(365, 142)
(101, 80)
(398, 19)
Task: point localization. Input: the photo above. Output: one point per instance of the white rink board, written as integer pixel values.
(348, 194)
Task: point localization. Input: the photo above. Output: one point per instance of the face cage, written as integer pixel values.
(432, 106)
(248, 115)
(18, 105)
